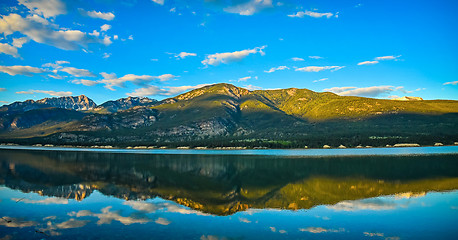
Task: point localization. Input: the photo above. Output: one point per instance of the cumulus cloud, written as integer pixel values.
(94, 14)
(44, 201)
(250, 7)
(111, 80)
(166, 77)
(141, 206)
(320, 80)
(319, 69)
(16, 222)
(162, 221)
(244, 79)
(76, 72)
(366, 91)
(106, 217)
(9, 50)
(45, 8)
(229, 57)
(321, 230)
(315, 57)
(165, 91)
(105, 27)
(302, 14)
(182, 55)
(276, 69)
(252, 87)
(160, 2)
(18, 42)
(387, 58)
(365, 204)
(368, 63)
(296, 59)
(85, 82)
(20, 70)
(42, 31)
(451, 83)
(52, 93)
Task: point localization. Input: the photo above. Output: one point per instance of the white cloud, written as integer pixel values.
(46, 201)
(105, 27)
(45, 8)
(365, 204)
(366, 91)
(52, 93)
(182, 55)
(387, 58)
(18, 42)
(296, 59)
(42, 31)
(9, 50)
(166, 91)
(315, 57)
(106, 55)
(110, 80)
(277, 69)
(16, 222)
(319, 69)
(252, 87)
(94, 14)
(250, 7)
(368, 63)
(320, 80)
(160, 2)
(244, 79)
(229, 57)
(106, 217)
(84, 82)
(301, 14)
(131, 37)
(141, 206)
(451, 83)
(166, 77)
(76, 72)
(162, 221)
(20, 70)
(321, 230)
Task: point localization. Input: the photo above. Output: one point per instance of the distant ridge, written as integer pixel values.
(225, 115)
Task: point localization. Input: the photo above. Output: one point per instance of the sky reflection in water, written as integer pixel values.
(418, 205)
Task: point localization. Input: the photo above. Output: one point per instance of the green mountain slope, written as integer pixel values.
(226, 115)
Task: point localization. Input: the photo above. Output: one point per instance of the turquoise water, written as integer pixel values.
(265, 152)
(106, 195)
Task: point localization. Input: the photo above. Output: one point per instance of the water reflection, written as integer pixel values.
(224, 185)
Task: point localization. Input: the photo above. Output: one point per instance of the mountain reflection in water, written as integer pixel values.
(223, 185)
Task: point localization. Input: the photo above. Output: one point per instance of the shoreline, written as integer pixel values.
(315, 152)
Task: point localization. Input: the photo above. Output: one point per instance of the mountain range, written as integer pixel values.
(228, 116)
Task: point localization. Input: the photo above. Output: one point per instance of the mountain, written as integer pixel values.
(74, 103)
(226, 115)
(123, 104)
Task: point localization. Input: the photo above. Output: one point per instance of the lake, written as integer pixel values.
(395, 193)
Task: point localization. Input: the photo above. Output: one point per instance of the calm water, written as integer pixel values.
(106, 195)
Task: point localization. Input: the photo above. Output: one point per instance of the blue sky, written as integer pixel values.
(159, 48)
